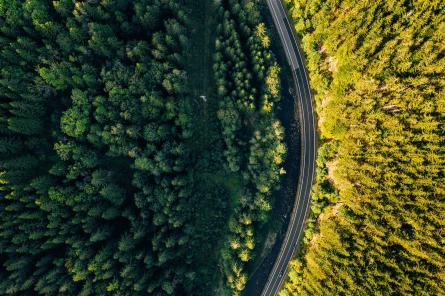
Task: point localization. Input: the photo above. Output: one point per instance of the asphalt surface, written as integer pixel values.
(308, 148)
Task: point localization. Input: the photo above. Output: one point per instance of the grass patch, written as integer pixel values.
(232, 183)
(215, 192)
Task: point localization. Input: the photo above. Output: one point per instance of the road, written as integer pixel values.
(308, 148)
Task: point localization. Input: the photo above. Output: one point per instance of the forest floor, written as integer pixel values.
(202, 45)
(217, 192)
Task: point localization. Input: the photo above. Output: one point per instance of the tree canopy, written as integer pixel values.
(377, 223)
(106, 187)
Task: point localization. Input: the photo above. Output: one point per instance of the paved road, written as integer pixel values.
(307, 164)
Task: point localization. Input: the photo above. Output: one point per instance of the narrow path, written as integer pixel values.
(199, 68)
(308, 148)
(209, 203)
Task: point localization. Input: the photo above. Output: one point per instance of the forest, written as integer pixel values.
(108, 183)
(247, 81)
(377, 72)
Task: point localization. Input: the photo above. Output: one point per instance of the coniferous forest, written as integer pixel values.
(109, 183)
(141, 147)
(377, 223)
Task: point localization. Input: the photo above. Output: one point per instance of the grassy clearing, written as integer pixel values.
(216, 192)
(231, 183)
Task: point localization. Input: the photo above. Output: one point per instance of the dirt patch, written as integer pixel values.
(336, 209)
(332, 166)
(268, 244)
(332, 62)
(313, 243)
(325, 101)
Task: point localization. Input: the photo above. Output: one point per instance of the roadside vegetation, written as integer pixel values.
(124, 170)
(376, 226)
(247, 81)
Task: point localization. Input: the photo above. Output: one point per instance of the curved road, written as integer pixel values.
(308, 146)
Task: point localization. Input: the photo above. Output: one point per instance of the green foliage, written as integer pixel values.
(103, 188)
(73, 140)
(253, 136)
(376, 225)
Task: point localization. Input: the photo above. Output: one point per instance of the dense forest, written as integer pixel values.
(107, 187)
(247, 81)
(377, 223)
